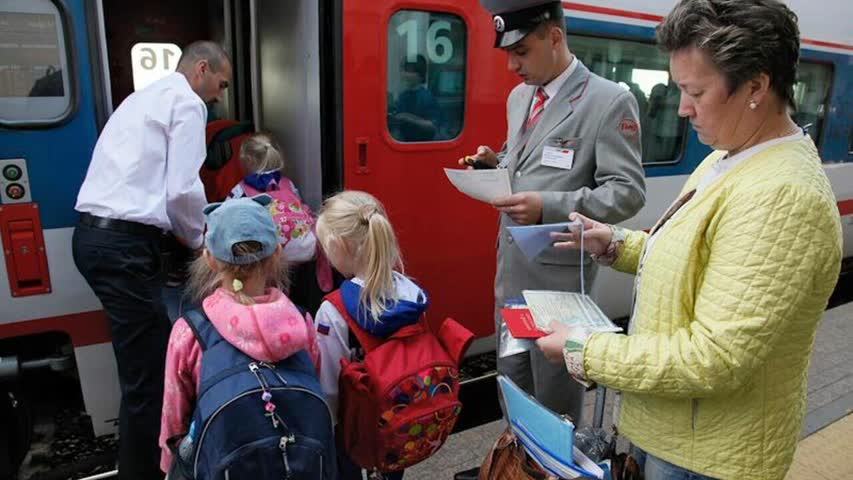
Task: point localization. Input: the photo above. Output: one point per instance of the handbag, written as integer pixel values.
(507, 460)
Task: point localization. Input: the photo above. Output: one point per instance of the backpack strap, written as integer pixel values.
(368, 342)
(203, 329)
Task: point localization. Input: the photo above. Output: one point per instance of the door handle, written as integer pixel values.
(361, 147)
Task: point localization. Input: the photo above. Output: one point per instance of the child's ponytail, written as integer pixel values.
(381, 257)
(359, 220)
(204, 280)
(260, 153)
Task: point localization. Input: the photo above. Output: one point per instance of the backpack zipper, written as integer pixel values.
(282, 445)
(256, 371)
(247, 393)
(274, 371)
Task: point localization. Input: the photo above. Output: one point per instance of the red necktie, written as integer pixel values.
(538, 106)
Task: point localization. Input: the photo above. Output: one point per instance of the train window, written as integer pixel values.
(35, 87)
(153, 61)
(811, 94)
(426, 76)
(644, 70)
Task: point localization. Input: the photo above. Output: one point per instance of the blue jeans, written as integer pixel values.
(657, 469)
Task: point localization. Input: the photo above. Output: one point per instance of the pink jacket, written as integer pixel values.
(269, 331)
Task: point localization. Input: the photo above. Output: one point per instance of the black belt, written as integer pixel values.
(124, 226)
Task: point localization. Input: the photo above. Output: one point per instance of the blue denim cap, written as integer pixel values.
(240, 220)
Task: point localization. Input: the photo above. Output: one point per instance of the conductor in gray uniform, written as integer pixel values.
(573, 145)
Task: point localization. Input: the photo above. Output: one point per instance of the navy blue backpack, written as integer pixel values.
(234, 434)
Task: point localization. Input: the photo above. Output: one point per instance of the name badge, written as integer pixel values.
(558, 157)
(559, 153)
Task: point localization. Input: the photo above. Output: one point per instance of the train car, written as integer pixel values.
(326, 77)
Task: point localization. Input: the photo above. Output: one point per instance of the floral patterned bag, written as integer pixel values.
(294, 219)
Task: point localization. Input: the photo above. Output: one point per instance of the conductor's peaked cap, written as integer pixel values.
(515, 19)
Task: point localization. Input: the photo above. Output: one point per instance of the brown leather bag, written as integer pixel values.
(507, 460)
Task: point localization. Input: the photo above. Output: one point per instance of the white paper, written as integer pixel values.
(569, 308)
(485, 185)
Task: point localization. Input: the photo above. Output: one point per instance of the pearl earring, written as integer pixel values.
(753, 104)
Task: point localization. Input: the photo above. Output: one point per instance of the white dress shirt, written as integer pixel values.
(145, 165)
(556, 84)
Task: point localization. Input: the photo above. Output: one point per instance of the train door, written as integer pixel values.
(285, 49)
(421, 89)
(47, 131)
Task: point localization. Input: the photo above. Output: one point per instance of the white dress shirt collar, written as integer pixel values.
(556, 84)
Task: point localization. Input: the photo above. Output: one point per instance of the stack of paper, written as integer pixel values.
(486, 185)
(569, 308)
(545, 436)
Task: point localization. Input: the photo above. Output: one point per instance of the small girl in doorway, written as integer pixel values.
(239, 277)
(360, 243)
(263, 161)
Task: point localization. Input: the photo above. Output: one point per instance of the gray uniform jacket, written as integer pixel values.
(600, 121)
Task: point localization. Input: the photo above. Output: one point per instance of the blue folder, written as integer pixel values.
(546, 437)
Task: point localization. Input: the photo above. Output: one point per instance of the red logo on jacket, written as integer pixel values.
(629, 128)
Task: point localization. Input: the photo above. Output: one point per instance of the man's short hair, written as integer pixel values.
(743, 38)
(546, 25)
(215, 55)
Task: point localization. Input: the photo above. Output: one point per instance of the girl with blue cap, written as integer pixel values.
(238, 278)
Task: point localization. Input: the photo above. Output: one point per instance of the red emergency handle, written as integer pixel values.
(24, 249)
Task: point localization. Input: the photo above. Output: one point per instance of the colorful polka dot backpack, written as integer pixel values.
(400, 402)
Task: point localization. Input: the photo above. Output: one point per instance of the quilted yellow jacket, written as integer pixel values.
(714, 373)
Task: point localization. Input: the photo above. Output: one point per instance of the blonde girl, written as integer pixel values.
(359, 240)
(264, 164)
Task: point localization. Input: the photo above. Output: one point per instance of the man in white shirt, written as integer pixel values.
(573, 144)
(143, 181)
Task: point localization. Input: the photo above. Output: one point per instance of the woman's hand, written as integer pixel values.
(552, 345)
(596, 236)
(566, 344)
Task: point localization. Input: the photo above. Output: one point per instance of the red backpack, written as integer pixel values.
(399, 404)
(222, 168)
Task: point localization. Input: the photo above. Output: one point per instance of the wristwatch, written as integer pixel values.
(614, 248)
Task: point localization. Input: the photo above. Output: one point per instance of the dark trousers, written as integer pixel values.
(124, 270)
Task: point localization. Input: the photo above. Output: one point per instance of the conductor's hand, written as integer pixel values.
(596, 236)
(523, 208)
(484, 155)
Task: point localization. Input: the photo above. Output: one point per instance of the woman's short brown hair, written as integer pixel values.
(743, 38)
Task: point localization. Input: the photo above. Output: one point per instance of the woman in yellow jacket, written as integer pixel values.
(732, 281)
